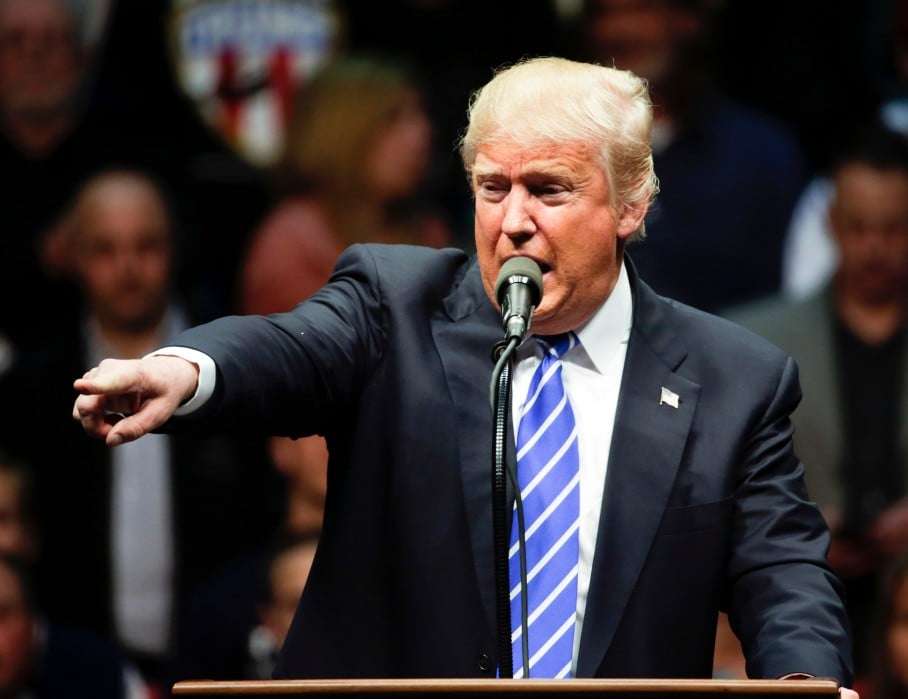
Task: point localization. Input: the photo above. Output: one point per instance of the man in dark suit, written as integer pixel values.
(696, 504)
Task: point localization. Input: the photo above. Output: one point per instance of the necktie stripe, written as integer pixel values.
(563, 672)
(573, 484)
(536, 389)
(548, 442)
(542, 428)
(549, 488)
(557, 636)
(546, 603)
(551, 618)
(544, 471)
(551, 662)
(550, 554)
(549, 397)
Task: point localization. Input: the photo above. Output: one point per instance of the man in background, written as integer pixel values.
(730, 176)
(47, 143)
(131, 530)
(850, 342)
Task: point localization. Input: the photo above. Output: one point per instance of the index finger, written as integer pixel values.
(111, 376)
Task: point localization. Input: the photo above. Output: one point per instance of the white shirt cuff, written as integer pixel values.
(207, 376)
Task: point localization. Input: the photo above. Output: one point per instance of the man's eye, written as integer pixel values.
(550, 191)
(493, 188)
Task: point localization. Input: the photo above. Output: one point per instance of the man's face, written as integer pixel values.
(123, 258)
(869, 220)
(643, 36)
(550, 203)
(39, 62)
(16, 633)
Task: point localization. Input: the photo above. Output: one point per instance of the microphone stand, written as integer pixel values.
(500, 399)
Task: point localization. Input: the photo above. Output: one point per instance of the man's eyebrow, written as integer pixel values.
(480, 171)
(534, 172)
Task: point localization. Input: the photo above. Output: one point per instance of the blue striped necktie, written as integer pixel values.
(548, 473)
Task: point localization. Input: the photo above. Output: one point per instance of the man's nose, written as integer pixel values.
(518, 219)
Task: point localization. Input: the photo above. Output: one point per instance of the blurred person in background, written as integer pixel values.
(890, 679)
(810, 253)
(850, 341)
(130, 531)
(40, 73)
(38, 659)
(730, 177)
(48, 141)
(17, 526)
(358, 148)
(42, 661)
(217, 635)
(288, 571)
(304, 465)
(729, 662)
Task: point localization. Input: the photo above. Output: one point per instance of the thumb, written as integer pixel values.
(149, 416)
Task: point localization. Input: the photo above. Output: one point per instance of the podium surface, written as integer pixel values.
(543, 689)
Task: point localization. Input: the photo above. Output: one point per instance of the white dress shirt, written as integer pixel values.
(592, 378)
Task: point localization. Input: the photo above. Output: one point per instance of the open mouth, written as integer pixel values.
(545, 267)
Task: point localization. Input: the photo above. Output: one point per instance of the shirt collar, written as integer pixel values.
(610, 324)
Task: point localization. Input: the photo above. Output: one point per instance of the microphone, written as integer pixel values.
(519, 291)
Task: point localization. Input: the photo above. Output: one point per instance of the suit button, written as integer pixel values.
(485, 662)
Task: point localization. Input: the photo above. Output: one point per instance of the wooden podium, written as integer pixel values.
(536, 689)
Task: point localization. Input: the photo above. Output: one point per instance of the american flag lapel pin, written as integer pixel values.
(669, 397)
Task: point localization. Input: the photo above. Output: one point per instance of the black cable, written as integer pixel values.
(499, 396)
(522, 555)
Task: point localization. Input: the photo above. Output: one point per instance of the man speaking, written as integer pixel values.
(652, 441)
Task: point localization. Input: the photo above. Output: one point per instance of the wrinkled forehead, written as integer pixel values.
(506, 155)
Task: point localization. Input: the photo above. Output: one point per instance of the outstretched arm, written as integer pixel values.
(291, 374)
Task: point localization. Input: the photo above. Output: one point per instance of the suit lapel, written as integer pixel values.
(648, 442)
(464, 335)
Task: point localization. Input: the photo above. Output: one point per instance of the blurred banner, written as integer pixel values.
(241, 60)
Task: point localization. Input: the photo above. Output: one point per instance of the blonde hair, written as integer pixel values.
(336, 119)
(554, 100)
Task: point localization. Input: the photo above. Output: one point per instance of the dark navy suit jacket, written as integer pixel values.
(704, 504)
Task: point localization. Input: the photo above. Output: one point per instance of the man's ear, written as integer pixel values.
(630, 218)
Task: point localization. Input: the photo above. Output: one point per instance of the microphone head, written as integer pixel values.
(520, 270)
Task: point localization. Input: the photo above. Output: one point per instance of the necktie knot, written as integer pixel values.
(557, 346)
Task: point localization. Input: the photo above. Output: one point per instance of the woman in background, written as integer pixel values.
(357, 153)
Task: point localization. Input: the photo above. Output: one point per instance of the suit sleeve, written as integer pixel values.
(785, 604)
(295, 373)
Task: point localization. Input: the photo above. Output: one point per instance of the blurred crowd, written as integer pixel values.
(166, 163)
